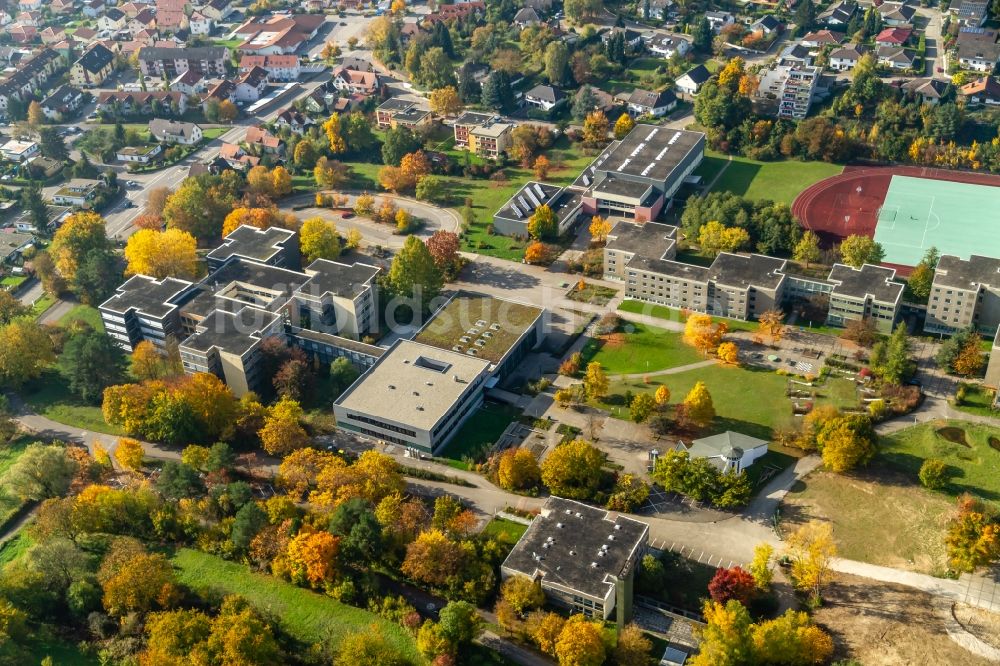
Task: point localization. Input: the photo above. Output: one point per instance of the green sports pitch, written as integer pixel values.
(957, 218)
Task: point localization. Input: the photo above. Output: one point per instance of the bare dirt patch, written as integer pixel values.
(980, 623)
(954, 435)
(880, 624)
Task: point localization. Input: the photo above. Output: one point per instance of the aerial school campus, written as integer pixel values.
(500, 332)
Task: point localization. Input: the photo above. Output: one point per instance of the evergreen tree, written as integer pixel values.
(469, 89)
(702, 36)
(583, 102)
(496, 91)
(805, 16)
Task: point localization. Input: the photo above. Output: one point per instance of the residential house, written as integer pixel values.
(5, 17)
(139, 154)
(767, 25)
(217, 10)
(456, 12)
(18, 151)
(85, 34)
(172, 131)
(544, 97)
(526, 17)
(141, 103)
(22, 34)
(278, 67)
(896, 13)
(251, 84)
(34, 19)
(893, 37)
(30, 5)
(927, 90)
(29, 75)
(223, 91)
(190, 83)
(278, 34)
(846, 57)
(465, 122)
(410, 31)
(93, 67)
(821, 38)
(62, 103)
(797, 55)
(199, 24)
(171, 21)
(207, 60)
(356, 82)
(77, 192)
(719, 20)
(984, 91)
(132, 9)
(402, 113)
(894, 57)
(665, 45)
(112, 20)
(632, 38)
(237, 158)
(265, 142)
(143, 21)
(647, 103)
(692, 80)
(357, 64)
(977, 49)
(840, 14)
(13, 245)
(51, 35)
(93, 8)
(970, 13)
(296, 121)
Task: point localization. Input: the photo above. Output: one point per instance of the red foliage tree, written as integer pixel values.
(734, 583)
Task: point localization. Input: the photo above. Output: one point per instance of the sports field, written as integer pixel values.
(956, 218)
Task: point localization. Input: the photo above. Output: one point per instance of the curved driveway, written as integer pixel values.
(432, 217)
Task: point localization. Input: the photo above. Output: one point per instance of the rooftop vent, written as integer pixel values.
(457, 348)
(569, 511)
(593, 565)
(471, 352)
(419, 408)
(494, 327)
(611, 537)
(416, 393)
(464, 338)
(618, 527)
(392, 387)
(559, 525)
(572, 552)
(429, 383)
(480, 323)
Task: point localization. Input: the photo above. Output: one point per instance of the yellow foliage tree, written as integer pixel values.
(811, 549)
(77, 233)
(445, 101)
(281, 181)
(318, 239)
(160, 254)
(970, 359)
(146, 361)
(260, 180)
(728, 353)
(545, 629)
(300, 469)
(333, 134)
(623, 126)
(129, 454)
(596, 381)
(599, 229)
(595, 127)
(580, 643)
(261, 218)
(364, 205)
(282, 432)
(698, 407)
(518, 469)
(702, 333)
(772, 324)
(312, 557)
(662, 396)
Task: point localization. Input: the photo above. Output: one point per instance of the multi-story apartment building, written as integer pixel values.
(273, 246)
(626, 240)
(144, 308)
(397, 112)
(466, 122)
(207, 60)
(868, 292)
(790, 89)
(965, 294)
(744, 286)
(30, 75)
(93, 67)
(490, 140)
(638, 176)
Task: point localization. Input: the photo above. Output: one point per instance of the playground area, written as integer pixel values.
(906, 209)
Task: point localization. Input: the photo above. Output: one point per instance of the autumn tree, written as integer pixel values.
(134, 580)
(702, 333)
(329, 174)
(599, 229)
(333, 134)
(25, 352)
(791, 638)
(698, 407)
(282, 432)
(129, 454)
(36, 116)
(40, 472)
(633, 648)
(772, 324)
(445, 101)
(433, 558)
(623, 126)
(368, 647)
(970, 358)
(662, 396)
(444, 247)
(858, 250)
(414, 275)
(714, 237)
(573, 470)
(580, 643)
(807, 250)
(228, 112)
(543, 223)
(260, 218)
(518, 469)
(728, 353)
(846, 441)
(201, 203)
(538, 252)
(733, 583)
(544, 628)
(811, 549)
(595, 128)
(760, 566)
(642, 407)
(973, 536)
(159, 254)
(861, 331)
(595, 381)
(318, 239)
(312, 558)
(84, 256)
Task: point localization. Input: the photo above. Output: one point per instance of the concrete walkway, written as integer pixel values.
(667, 371)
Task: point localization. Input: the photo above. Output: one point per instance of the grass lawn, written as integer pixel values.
(41, 305)
(505, 531)
(307, 616)
(978, 401)
(14, 549)
(976, 463)
(11, 282)
(9, 503)
(710, 168)
(49, 396)
(480, 431)
(594, 294)
(214, 132)
(61, 651)
(779, 181)
(641, 348)
(879, 515)
(746, 400)
(673, 314)
(85, 313)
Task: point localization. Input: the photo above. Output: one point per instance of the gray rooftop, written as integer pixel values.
(647, 152)
(414, 383)
(252, 243)
(743, 270)
(968, 274)
(651, 239)
(333, 277)
(869, 280)
(670, 268)
(526, 200)
(153, 298)
(263, 276)
(577, 546)
(234, 333)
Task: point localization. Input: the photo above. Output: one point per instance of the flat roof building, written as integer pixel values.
(512, 219)
(638, 176)
(583, 557)
(626, 240)
(273, 246)
(965, 293)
